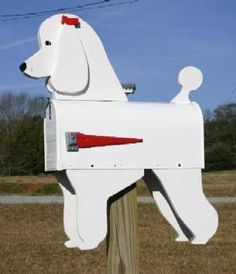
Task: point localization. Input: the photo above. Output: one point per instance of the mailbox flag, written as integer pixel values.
(77, 140)
(86, 141)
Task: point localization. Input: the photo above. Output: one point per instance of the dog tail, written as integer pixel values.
(190, 78)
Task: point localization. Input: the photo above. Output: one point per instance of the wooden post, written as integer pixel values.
(122, 239)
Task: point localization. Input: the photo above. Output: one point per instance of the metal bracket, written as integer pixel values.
(71, 143)
(129, 88)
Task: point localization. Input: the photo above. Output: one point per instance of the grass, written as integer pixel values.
(30, 185)
(219, 183)
(31, 241)
(222, 183)
(41, 178)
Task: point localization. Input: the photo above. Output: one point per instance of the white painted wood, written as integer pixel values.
(166, 211)
(77, 55)
(184, 189)
(164, 204)
(93, 188)
(190, 78)
(88, 98)
(70, 219)
(69, 212)
(70, 54)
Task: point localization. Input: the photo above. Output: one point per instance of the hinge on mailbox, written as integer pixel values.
(49, 108)
(71, 142)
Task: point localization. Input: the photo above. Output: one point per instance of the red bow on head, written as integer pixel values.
(70, 21)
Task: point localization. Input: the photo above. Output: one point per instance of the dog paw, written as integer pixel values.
(72, 244)
(181, 238)
(87, 246)
(199, 241)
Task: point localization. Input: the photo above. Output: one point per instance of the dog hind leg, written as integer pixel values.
(184, 190)
(161, 201)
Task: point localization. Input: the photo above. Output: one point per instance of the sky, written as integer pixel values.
(148, 43)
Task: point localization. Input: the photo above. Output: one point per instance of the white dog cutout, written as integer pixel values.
(100, 144)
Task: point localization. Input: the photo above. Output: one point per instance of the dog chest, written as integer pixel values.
(123, 135)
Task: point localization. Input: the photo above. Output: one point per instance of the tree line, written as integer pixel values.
(220, 138)
(21, 131)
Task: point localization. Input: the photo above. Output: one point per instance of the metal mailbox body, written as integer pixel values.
(172, 135)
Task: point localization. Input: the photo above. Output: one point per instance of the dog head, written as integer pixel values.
(61, 57)
(74, 61)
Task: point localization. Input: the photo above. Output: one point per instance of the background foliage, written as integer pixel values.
(21, 131)
(220, 138)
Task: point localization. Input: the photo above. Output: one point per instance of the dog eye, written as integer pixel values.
(48, 43)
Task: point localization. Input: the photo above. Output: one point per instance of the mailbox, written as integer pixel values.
(159, 136)
(98, 143)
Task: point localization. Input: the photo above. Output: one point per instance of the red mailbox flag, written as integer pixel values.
(77, 140)
(86, 141)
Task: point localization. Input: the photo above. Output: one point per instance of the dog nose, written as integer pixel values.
(23, 67)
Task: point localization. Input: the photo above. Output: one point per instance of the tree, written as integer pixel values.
(219, 157)
(220, 138)
(21, 128)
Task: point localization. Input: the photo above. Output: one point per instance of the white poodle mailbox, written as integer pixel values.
(104, 143)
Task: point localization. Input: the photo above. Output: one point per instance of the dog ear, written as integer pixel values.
(71, 71)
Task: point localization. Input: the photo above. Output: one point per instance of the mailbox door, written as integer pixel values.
(51, 145)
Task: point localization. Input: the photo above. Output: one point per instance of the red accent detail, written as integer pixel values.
(87, 141)
(70, 21)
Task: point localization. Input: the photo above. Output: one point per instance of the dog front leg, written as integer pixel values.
(93, 188)
(69, 210)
